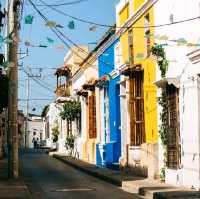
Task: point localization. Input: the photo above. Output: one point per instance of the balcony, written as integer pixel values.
(62, 91)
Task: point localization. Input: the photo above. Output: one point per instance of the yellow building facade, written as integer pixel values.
(135, 21)
(88, 90)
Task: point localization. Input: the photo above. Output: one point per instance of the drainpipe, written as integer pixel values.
(127, 155)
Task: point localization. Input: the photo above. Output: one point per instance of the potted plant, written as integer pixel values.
(69, 144)
(136, 153)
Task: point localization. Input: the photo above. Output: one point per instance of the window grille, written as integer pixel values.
(136, 107)
(92, 116)
(69, 127)
(173, 133)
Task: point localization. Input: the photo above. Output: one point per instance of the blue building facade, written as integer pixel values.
(109, 148)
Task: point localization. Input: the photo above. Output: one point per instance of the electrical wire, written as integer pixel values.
(63, 4)
(38, 82)
(110, 26)
(33, 90)
(36, 99)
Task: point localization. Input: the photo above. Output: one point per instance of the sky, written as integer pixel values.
(50, 58)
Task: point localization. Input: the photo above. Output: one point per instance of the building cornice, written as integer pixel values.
(115, 73)
(194, 56)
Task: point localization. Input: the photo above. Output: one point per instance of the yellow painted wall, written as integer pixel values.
(149, 65)
(89, 147)
(137, 4)
(124, 47)
(124, 14)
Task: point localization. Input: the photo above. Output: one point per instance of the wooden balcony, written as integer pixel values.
(62, 91)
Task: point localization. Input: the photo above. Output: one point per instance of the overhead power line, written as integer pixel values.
(38, 81)
(36, 99)
(110, 26)
(63, 4)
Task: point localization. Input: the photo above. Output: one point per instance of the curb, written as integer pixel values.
(90, 172)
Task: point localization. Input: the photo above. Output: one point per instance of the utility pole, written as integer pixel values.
(27, 108)
(13, 31)
(27, 103)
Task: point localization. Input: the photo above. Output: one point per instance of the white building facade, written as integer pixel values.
(80, 136)
(54, 120)
(180, 42)
(35, 131)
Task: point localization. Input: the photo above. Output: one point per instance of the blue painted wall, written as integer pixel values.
(113, 149)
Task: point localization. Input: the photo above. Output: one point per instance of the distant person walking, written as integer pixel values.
(35, 141)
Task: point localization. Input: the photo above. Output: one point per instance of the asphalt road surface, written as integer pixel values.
(47, 177)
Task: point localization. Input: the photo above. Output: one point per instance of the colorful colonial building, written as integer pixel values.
(85, 88)
(109, 139)
(139, 100)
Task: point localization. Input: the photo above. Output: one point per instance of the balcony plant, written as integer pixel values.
(71, 110)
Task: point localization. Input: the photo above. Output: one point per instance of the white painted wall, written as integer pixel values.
(124, 134)
(53, 114)
(185, 71)
(77, 82)
(35, 126)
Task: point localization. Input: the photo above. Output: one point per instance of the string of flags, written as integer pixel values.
(71, 25)
(52, 24)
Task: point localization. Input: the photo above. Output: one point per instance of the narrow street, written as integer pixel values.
(47, 177)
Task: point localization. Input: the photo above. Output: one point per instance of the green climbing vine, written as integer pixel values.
(159, 52)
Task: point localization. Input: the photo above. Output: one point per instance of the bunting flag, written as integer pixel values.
(5, 64)
(42, 46)
(27, 43)
(51, 41)
(165, 44)
(60, 47)
(192, 44)
(1, 39)
(93, 28)
(59, 26)
(92, 43)
(181, 41)
(71, 25)
(51, 24)
(163, 37)
(29, 19)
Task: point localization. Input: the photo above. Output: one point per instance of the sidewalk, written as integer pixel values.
(12, 189)
(146, 188)
(108, 175)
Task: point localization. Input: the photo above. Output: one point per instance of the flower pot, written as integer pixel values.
(68, 152)
(135, 152)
